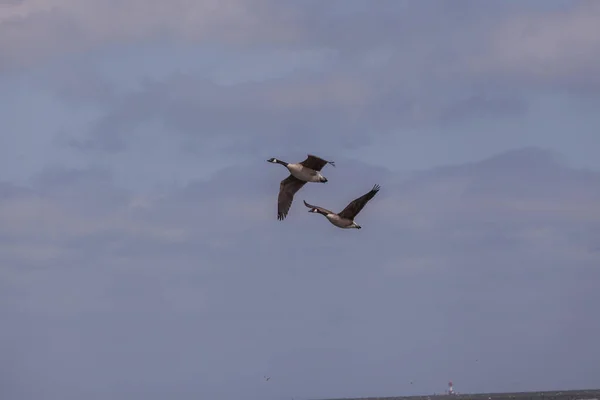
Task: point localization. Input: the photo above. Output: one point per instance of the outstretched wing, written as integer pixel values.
(287, 189)
(352, 209)
(326, 211)
(316, 163)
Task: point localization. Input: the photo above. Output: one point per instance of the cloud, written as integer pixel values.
(408, 67)
(541, 42)
(389, 79)
(190, 289)
(555, 48)
(281, 111)
(305, 109)
(36, 29)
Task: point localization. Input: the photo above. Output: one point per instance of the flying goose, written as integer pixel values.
(300, 173)
(345, 219)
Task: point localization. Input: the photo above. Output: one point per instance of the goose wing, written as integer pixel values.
(326, 211)
(287, 189)
(316, 163)
(356, 205)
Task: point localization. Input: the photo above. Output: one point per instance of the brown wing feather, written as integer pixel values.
(326, 211)
(287, 189)
(316, 163)
(355, 206)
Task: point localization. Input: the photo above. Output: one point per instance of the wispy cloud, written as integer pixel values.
(372, 84)
(555, 48)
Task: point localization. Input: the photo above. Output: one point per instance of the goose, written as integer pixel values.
(345, 219)
(308, 170)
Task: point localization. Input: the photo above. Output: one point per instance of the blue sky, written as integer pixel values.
(141, 256)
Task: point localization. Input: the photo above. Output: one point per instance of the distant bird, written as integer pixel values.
(267, 378)
(345, 219)
(300, 173)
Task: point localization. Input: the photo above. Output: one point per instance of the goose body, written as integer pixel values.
(305, 171)
(345, 219)
(301, 173)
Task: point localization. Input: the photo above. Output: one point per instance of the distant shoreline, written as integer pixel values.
(583, 394)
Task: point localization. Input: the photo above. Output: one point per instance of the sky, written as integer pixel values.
(141, 255)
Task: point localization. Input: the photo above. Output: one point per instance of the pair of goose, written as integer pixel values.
(309, 170)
